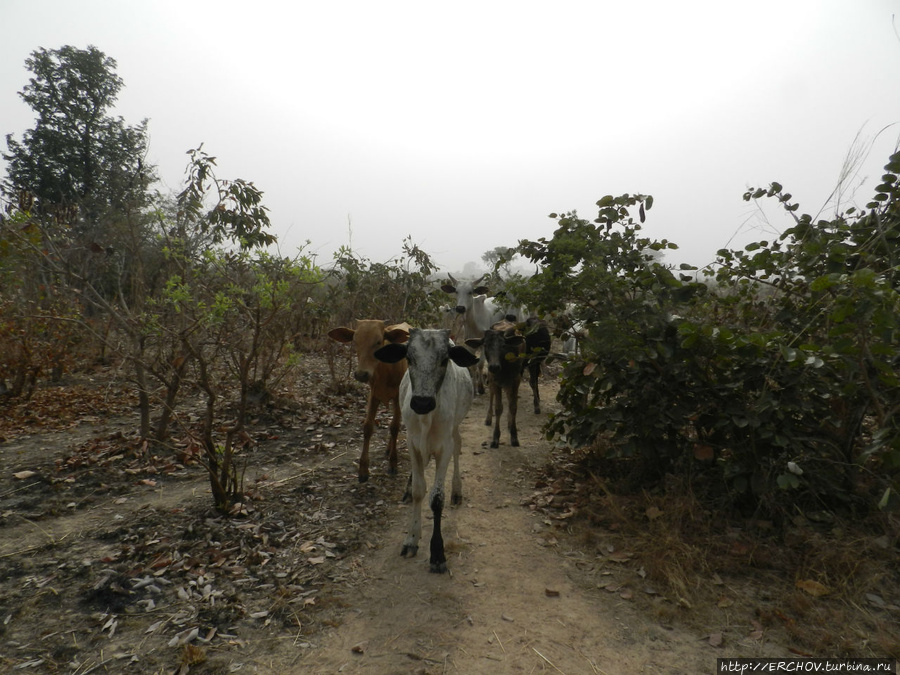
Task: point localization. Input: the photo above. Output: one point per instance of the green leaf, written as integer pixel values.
(788, 481)
(824, 282)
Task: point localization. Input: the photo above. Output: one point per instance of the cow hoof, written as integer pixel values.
(514, 443)
(363, 479)
(495, 444)
(409, 551)
(438, 568)
(406, 498)
(455, 500)
(537, 411)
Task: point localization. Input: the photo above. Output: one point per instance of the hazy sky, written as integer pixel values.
(465, 124)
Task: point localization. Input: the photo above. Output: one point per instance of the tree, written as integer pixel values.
(78, 160)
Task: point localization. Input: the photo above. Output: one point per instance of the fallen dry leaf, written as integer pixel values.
(653, 513)
(716, 639)
(620, 556)
(814, 588)
(704, 453)
(22, 475)
(551, 593)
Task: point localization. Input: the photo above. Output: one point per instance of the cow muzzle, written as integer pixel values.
(460, 309)
(422, 405)
(361, 376)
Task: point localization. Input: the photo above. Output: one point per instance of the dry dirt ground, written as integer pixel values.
(113, 560)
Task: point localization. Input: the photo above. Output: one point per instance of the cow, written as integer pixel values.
(478, 311)
(504, 348)
(383, 380)
(435, 396)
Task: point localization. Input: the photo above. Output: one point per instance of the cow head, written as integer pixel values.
(428, 354)
(501, 344)
(369, 335)
(464, 291)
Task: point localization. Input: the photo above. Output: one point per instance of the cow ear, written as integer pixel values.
(462, 356)
(391, 353)
(447, 288)
(480, 290)
(341, 334)
(397, 335)
(475, 343)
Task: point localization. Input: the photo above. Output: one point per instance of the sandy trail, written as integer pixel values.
(510, 602)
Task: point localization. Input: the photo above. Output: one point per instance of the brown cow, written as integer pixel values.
(383, 380)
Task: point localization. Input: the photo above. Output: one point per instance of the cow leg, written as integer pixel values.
(534, 369)
(490, 406)
(456, 493)
(438, 559)
(414, 533)
(368, 428)
(477, 379)
(407, 493)
(512, 393)
(392, 441)
(497, 395)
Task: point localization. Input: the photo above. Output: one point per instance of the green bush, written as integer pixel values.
(771, 383)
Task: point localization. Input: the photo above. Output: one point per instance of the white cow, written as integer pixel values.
(435, 396)
(479, 312)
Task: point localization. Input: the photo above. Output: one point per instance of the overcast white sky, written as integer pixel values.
(465, 124)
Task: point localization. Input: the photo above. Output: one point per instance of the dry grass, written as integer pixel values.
(828, 589)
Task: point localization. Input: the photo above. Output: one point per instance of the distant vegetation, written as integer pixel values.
(763, 383)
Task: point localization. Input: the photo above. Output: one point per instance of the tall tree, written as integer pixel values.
(78, 156)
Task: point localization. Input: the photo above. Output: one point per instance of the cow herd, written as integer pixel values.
(430, 377)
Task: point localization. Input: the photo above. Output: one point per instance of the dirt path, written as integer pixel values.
(513, 600)
(522, 594)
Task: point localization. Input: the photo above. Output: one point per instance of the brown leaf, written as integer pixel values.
(620, 556)
(704, 453)
(589, 368)
(550, 593)
(626, 594)
(814, 588)
(22, 475)
(716, 639)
